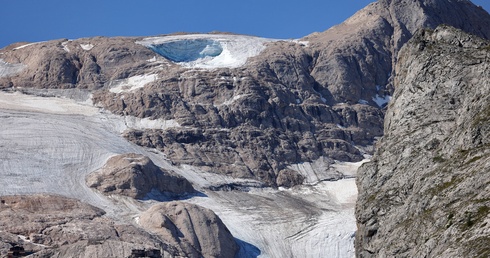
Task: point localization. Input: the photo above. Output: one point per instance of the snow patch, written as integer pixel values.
(147, 123)
(151, 60)
(348, 169)
(26, 45)
(87, 47)
(230, 101)
(302, 42)
(363, 101)
(207, 51)
(51, 105)
(382, 101)
(322, 169)
(65, 46)
(7, 69)
(132, 83)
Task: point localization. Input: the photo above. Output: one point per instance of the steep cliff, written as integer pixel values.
(426, 191)
(234, 112)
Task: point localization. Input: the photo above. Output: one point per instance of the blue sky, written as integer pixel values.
(38, 20)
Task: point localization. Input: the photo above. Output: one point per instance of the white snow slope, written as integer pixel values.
(49, 145)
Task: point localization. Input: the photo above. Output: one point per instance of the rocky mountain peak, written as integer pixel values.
(281, 103)
(231, 113)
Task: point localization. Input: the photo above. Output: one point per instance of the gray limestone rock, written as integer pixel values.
(83, 63)
(197, 230)
(135, 175)
(295, 102)
(289, 178)
(54, 226)
(426, 191)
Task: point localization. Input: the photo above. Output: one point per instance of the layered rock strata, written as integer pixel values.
(295, 102)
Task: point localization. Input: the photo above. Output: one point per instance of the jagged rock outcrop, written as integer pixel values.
(355, 60)
(55, 226)
(135, 175)
(295, 102)
(426, 191)
(197, 230)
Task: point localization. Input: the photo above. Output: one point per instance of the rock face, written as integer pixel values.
(426, 192)
(54, 226)
(297, 101)
(135, 175)
(198, 231)
(84, 63)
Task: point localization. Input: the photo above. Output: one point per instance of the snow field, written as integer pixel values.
(307, 221)
(50, 144)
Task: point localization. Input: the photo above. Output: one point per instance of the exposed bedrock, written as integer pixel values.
(55, 226)
(294, 102)
(197, 230)
(426, 191)
(135, 175)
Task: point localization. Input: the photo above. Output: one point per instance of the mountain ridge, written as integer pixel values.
(289, 117)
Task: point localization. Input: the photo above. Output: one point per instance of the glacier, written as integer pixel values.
(207, 51)
(77, 138)
(187, 50)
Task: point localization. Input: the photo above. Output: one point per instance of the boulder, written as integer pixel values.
(197, 230)
(135, 175)
(55, 226)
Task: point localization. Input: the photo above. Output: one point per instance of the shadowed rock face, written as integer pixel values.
(135, 175)
(197, 230)
(54, 226)
(426, 192)
(292, 103)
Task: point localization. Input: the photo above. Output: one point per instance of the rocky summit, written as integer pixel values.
(296, 101)
(160, 135)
